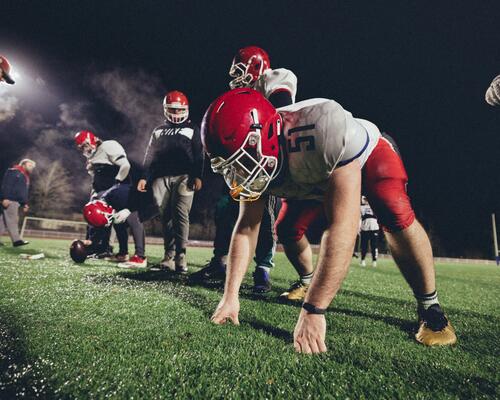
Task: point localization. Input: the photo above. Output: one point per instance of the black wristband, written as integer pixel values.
(312, 309)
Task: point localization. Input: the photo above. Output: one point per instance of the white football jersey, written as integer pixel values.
(273, 80)
(368, 220)
(108, 152)
(319, 136)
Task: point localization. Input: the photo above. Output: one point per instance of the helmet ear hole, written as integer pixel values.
(270, 132)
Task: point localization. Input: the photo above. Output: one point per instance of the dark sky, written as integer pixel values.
(417, 69)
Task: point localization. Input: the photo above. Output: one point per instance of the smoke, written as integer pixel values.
(135, 95)
(119, 104)
(8, 107)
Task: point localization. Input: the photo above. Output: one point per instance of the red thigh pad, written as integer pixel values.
(295, 217)
(384, 184)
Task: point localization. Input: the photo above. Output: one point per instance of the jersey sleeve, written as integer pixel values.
(273, 81)
(114, 151)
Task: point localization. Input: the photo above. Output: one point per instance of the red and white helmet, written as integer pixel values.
(176, 107)
(87, 142)
(98, 213)
(248, 64)
(5, 71)
(240, 134)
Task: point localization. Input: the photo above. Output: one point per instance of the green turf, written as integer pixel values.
(94, 331)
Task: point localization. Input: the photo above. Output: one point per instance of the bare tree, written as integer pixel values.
(52, 193)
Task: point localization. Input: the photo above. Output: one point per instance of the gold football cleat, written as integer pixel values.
(435, 329)
(297, 292)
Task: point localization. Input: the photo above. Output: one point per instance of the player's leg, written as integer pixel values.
(122, 237)
(266, 247)
(11, 215)
(162, 196)
(293, 220)
(384, 181)
(182, 200)
(374, 247)
(3, 228)
(364, 247)
(138, 260)
(226, 214)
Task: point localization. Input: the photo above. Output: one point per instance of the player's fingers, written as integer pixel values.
(296, 345)
(234, 319)
(314, 346)
(218, 319)
(321, 346)
(304, 347)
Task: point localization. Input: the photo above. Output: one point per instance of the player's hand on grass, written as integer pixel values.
(5, 203)
(141, 185)
(227, 310)
(309, 333)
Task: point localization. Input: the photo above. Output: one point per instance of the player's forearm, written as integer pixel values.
(238, 260)
(337, 245)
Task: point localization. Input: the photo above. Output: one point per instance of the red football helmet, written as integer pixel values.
(248, 64)
(98, 213)
(5, 71)
(240, 134)
(86, 142)
(176, 107)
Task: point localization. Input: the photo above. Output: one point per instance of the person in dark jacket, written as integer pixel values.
(13, 195)
(173, 167)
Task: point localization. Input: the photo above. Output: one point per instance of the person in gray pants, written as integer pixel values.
(173, 167)
(13, 195)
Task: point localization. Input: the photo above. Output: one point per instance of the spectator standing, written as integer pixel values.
(14, 195)
(369, 232)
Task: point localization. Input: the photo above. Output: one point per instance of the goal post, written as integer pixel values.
(495, 238)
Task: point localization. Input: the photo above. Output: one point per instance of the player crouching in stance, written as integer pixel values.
(251, 67)
(115, 206)
(315, 149)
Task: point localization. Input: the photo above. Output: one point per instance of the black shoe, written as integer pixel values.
(261, 281)
(213, 271)
(18, 243)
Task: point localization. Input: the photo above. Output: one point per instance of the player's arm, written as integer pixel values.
(146, 164)
(337, 244)
(117, 156)
(243, 243)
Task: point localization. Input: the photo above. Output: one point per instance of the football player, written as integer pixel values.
(107, 164)
(116, 206)
(173, 168)
(251, 67)
(492, 95)
(5, 71)
(315, 149)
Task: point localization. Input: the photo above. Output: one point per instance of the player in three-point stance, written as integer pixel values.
(251, 67)
(315, 149)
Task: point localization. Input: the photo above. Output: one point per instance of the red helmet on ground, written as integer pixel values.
(240, 134)
(87, 142)
(5, 71)
(176, 107)
(98, 213)
(248, 64)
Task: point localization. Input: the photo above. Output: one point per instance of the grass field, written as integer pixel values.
(94, 331)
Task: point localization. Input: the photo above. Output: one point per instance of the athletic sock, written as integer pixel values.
(267, 269)
(306, 279)
(424, 301)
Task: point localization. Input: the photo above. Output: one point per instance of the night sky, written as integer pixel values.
(419, 71)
